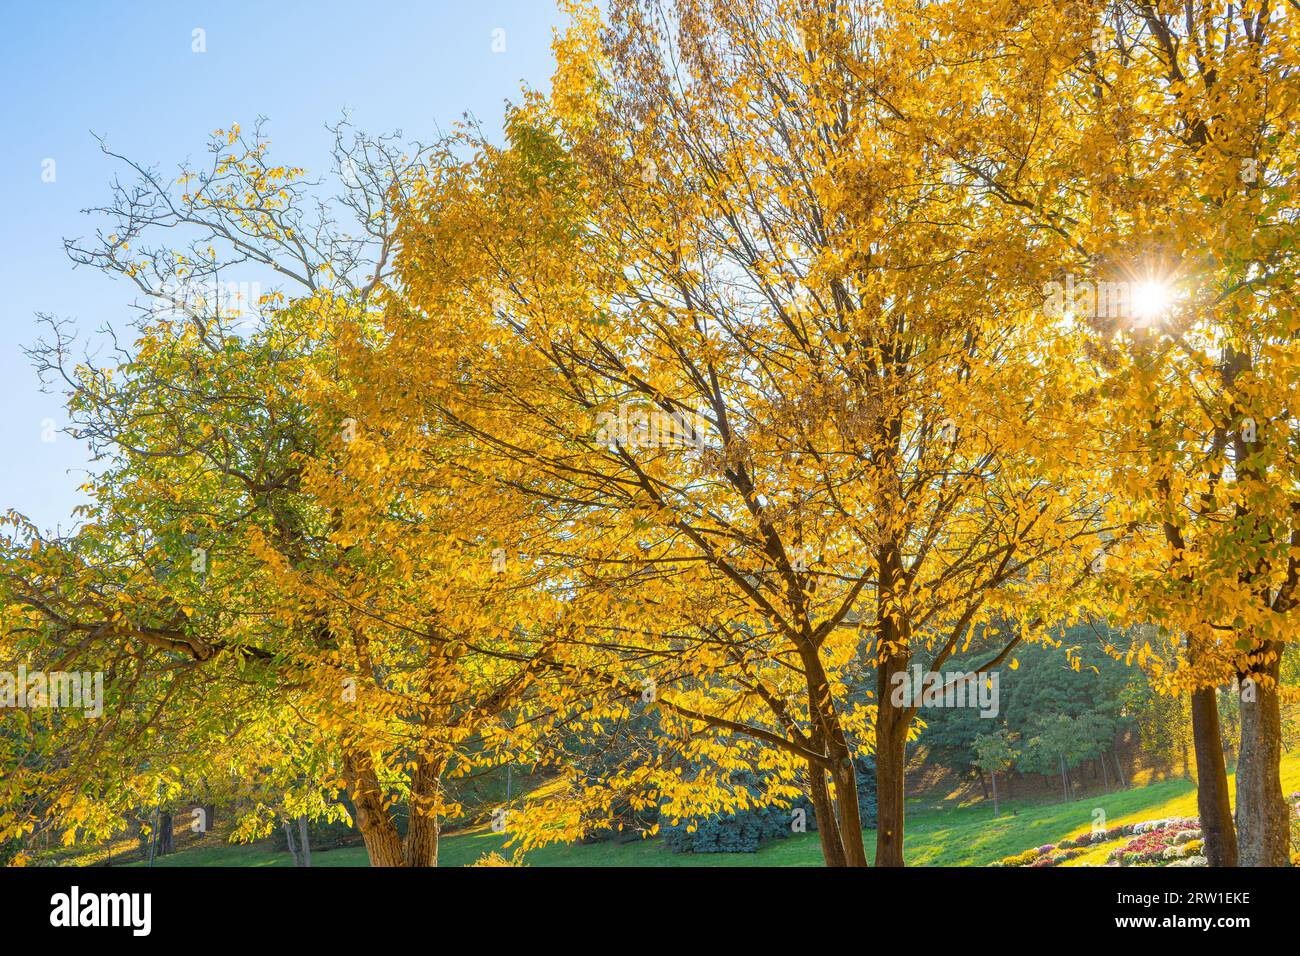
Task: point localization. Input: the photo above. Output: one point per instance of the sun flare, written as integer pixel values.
(1151, 301)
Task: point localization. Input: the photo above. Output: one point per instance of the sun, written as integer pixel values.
(1150, 301)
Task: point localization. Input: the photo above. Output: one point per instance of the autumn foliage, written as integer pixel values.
(779, 347)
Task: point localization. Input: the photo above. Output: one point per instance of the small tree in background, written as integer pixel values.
(1055, 748)
(995, 753)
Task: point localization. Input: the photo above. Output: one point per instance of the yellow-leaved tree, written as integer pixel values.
(247, 623)
(739, 354)
(1144, 156)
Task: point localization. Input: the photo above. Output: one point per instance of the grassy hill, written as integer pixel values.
(939, 833)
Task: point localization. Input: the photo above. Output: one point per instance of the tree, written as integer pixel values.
(1069, 674)
(995, 753)
(737, 350)
(1056, 747)
(1152, 187)
(247, 621)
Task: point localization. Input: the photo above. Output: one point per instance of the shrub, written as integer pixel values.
(740, 832)
(746, 830)
(1154, 840)
(1057, 859)
(1020, 859)
(866, 773)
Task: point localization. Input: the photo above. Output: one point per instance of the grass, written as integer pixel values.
(939, 833)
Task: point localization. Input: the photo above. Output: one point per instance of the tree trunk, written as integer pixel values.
(383, 844)
(1263, 823)
(828, 827)
(1212, 801)
(827, 736)
(166, 833)
(288, 839)
(994, 777)
(422, 832)
(305, 840)
(891, 746)
(846, 799)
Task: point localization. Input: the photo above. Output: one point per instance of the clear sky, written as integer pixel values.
(127, 71)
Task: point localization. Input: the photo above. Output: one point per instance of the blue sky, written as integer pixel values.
(127, 71)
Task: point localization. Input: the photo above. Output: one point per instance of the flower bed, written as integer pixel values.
(1161, 843)
(1172, 842)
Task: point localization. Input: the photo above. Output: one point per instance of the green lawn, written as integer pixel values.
(938, 834)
